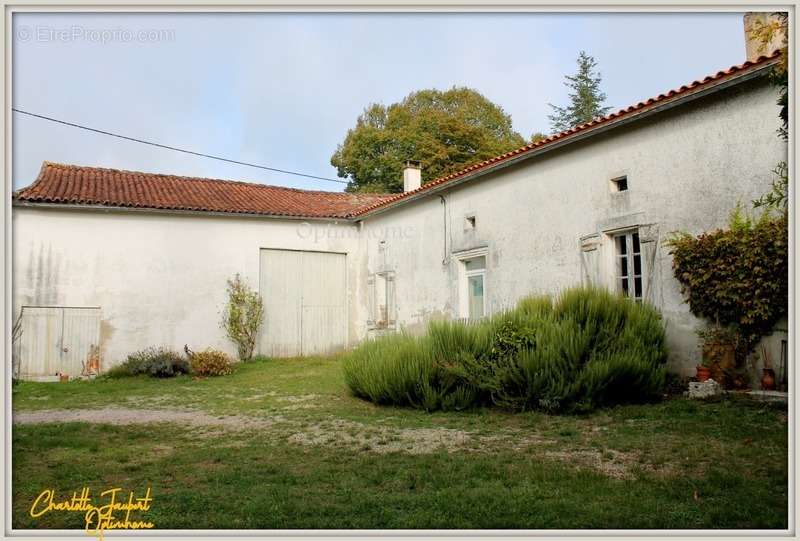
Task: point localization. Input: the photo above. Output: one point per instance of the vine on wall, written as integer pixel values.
(737, 277)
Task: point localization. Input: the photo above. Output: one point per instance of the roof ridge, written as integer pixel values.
(73, 167)
(761, 60)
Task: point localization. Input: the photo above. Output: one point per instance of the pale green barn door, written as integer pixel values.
(58, 340)
(305, 302)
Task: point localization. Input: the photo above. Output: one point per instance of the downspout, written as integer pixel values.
(445, 259)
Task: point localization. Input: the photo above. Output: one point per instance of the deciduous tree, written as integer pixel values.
(445, 130)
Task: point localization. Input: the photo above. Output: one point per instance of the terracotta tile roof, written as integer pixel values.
(77, 185)
(672, 95)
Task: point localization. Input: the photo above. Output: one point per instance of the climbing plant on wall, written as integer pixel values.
(738, 276)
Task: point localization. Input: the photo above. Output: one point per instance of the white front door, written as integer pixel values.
(305, 303)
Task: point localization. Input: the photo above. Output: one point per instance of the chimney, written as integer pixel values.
(412, 175)
(755, 47)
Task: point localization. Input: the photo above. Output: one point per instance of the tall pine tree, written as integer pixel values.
(586, 98)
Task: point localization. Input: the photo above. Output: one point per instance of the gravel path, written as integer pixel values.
(126, 416)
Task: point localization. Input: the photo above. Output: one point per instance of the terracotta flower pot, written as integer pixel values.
(768, 379)
(703, 373)
(720, 358)
(63, 377)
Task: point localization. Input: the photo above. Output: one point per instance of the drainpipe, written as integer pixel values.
(445, 259)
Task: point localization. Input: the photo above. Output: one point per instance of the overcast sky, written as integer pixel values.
(283, 89)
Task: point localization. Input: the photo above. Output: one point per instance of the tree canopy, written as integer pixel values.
(586, 99)
(445, 130)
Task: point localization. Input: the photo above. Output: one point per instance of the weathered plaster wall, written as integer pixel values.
(159, 279)
(686, 170)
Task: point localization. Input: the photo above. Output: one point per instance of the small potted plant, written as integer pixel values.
(718, 345)
(703, 372)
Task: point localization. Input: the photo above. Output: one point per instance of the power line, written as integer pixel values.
(159, 145)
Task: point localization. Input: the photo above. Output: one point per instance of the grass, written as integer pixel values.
(323, 459)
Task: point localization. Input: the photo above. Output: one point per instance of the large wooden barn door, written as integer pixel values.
(305, 302)
(59, 340)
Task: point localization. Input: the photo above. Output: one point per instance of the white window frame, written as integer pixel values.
(630, 256)
(463, 280)
(472, 274)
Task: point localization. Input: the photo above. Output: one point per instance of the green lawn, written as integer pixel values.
(281, 444)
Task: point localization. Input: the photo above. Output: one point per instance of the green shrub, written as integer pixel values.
(737, 277)
(157, 362)
(211, 362)
(586, 349)
(390, 370)
(242, 316)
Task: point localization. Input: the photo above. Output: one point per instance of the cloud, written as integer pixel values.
(282, 89)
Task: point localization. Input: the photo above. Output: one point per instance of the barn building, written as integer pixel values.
(106, 262)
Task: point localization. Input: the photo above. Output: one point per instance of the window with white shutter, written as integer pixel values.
(381, 300)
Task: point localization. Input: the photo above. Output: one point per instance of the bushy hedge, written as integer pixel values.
(162, 362)
(156, 362)
(587, 348)
(738, 276)
(211, 362)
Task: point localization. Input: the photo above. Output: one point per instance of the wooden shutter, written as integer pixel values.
(371, 301)
(590, 260)
(648, 236)
(391, 307)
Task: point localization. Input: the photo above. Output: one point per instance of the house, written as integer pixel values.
(106, 262)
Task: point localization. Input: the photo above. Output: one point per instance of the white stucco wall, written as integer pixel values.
(686, 170)
(158, 279)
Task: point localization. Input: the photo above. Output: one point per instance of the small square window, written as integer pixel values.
(619, 184)
(469, 222)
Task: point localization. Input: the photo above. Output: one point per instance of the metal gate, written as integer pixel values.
(305, 302)
(59, 340)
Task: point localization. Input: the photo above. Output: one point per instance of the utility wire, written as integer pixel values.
(159, 145)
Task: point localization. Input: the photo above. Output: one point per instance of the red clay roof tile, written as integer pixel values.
(73, 184)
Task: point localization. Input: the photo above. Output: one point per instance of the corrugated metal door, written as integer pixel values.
(57, 339)
(305, 302)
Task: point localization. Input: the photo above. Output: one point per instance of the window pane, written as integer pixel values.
(623, 266)
(622, 247)
(625, 287)
(475, 291)
(637, 285)
(477, 263)
(637, 265)
(636, 242)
